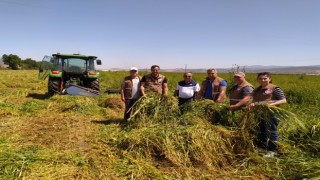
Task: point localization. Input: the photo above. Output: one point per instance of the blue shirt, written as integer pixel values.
(208, 92)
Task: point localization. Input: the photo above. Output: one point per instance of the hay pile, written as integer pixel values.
(114, 107)
(198, 135)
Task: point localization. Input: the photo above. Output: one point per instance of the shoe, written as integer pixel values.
(270, 154)
(261, 150)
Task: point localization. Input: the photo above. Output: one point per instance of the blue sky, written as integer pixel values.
(170, 33)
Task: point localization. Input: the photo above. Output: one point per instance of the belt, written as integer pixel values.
(186, 98)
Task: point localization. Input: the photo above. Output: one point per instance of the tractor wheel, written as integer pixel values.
(95, 85)
(53, 86)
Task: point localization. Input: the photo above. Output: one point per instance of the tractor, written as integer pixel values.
(73, 74)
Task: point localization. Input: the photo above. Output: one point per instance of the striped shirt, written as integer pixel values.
(278, 93)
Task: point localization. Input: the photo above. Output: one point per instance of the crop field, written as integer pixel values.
(77, 137)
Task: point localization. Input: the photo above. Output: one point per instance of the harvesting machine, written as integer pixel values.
(73, 74)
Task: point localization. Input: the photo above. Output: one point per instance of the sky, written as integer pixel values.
(169, 33)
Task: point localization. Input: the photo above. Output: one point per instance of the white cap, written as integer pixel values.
(239, 74)
(133, 69)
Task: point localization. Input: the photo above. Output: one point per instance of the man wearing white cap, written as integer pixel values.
(240, 94)
(130, 91)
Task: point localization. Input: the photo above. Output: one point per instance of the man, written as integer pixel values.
(240, 93)
(130, 91)
(187, 89)
(213, 87)
(154, 82)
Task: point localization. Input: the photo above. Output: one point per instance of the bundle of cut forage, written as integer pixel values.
(289, 123)
(154, 109)
(182, 146)
(204, 109)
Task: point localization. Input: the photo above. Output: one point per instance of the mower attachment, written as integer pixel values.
(76, 90)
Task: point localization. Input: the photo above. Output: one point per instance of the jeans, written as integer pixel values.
(268, 134)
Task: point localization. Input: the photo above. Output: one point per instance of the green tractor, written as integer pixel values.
(73, 74)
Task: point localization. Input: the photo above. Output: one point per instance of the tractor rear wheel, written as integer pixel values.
(95, 85)
(54, 86)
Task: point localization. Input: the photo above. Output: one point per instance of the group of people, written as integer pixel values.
(242, 94)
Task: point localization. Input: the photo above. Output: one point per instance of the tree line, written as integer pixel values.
(15, 62)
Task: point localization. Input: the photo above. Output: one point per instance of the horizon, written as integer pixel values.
(251, 67)
(203, 68)
(172, 34)
(256, 67)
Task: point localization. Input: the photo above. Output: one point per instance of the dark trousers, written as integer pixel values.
(182, 100)
(128, 104)
(268, 134)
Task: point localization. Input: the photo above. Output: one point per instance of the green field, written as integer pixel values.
(73, 137)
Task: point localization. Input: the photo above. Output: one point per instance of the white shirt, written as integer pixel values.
(135, 87)
(187, 90)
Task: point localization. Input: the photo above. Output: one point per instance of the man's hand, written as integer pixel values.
(233, 107)
(251, 105)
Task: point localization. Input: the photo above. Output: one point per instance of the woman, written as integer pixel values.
(267, 128)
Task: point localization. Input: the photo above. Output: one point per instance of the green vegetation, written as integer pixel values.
(74, 137)
(15, 62)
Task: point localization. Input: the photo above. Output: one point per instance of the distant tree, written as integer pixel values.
(30, 64)
(13, 61)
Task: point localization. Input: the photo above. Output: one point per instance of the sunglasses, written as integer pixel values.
(187, 76)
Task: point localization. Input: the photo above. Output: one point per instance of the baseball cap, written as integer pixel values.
(133, 69)
(239, 74)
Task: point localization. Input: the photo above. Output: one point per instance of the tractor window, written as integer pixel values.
(74, 65)
(45, 67)
(91, 65)
(57, 64)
